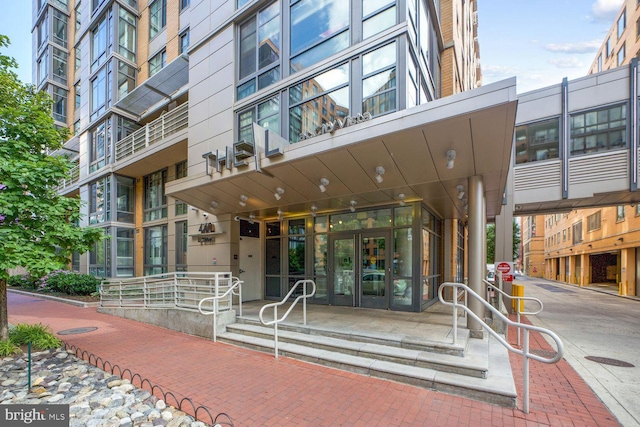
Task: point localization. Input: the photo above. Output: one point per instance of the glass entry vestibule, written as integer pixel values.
(387, 257)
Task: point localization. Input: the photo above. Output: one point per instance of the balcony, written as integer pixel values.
(67, 184)
(154, 132)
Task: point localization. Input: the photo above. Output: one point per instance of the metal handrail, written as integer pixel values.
(526, 354)
(181, 290)
(275, 305)
(518, 299)
(237, 284)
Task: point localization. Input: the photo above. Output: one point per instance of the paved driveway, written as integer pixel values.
(593, 323)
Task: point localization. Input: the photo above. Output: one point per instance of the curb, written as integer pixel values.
(58, 299)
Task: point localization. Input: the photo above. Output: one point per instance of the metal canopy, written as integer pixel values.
(411, 145)
(158, 87)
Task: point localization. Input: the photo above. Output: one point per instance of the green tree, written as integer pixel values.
(38, 227)
(491, 242)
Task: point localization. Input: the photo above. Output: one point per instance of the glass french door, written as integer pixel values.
(360, 270)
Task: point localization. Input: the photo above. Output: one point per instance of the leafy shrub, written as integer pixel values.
(8, 348)
(39, 335)
(68, 282)
(23, 281)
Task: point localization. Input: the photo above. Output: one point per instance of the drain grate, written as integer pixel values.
(552, 288)
(608, 361)
(77, 330)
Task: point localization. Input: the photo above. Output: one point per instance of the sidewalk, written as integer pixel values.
(255, 389)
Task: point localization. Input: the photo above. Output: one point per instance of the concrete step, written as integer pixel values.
(370, 359)
(387, 339)
(386, 350)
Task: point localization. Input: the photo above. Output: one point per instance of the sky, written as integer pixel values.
(538, 41)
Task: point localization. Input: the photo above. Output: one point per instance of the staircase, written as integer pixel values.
(475, 368)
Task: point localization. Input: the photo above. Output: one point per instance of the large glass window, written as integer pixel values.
(155, 250)
(126, 79)
(100, 94)
(125, 250)
(377, 15)
(100, 146)
(43, 30)
(181, 208)
(182, 244)
(125, 201)
(319, 100)
(296, 246)
(184, 4)
(266, 114)
(59, 104)
(127, 35)
(431, 255)
(155, 201)
(100, 36)
(100, 257)
(537, 141)
(59, 65)
(157, 17)
(318, 30)
(157, 62)
(78, 16)
(259, 61)
(43, 66)
(379, 80)
(59, 28)
(599, 130)
(99, 196)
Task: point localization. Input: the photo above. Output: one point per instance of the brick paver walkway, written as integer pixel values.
(255, 389)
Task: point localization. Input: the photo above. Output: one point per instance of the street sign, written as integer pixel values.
(506, 270)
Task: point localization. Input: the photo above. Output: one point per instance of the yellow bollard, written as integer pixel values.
(517, 291)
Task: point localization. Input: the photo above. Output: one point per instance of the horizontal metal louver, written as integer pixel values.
(539, 176)
(598, 168)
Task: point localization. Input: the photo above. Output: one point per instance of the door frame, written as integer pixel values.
(357, 298)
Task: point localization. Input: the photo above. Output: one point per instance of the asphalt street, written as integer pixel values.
(595, 324)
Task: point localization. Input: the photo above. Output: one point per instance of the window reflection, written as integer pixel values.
(537, 141)
(379, 89)
(318, 27)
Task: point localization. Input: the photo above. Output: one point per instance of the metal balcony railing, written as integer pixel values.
(154, 132)
(74, 177)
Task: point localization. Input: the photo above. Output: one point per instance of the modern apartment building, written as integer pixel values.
(279, 140)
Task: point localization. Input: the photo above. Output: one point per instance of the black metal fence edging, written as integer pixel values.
(100, 363)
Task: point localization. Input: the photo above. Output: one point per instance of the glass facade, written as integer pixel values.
(358, 248)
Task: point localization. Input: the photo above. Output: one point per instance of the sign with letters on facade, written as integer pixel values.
(241, 152)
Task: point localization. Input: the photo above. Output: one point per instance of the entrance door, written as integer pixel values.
(359, 271)
(249, 265)
(342, 268)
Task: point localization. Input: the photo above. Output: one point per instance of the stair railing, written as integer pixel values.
(519, 303)
(234, 289)
(304, 296)
(525, 352)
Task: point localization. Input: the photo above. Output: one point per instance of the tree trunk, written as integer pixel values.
(4, 318)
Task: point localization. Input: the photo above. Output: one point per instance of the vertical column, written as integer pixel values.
(627, 271)
(477, 260)
(586, 270)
